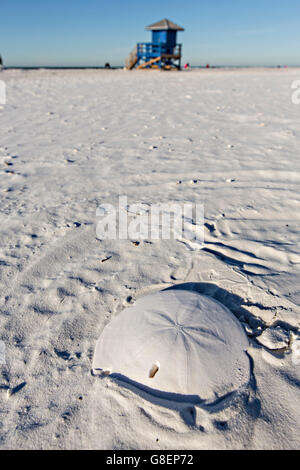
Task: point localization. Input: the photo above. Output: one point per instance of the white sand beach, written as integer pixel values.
(75, 139)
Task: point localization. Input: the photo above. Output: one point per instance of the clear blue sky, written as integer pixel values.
(92, 32)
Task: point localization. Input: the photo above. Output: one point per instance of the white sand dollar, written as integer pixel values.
(176, 341)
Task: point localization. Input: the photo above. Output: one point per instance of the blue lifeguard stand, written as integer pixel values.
(163, 52)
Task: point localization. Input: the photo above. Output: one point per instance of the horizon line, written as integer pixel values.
(123, 66)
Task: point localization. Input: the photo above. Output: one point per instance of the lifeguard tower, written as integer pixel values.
(163, 52)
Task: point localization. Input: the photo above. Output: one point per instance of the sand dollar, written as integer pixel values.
(176, 341)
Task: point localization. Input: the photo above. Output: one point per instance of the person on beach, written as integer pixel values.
(1, 63)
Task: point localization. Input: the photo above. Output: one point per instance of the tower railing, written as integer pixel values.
(149, 50)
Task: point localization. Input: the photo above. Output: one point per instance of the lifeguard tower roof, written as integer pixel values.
(164, 25)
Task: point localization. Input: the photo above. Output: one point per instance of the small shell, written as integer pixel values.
(154, 370)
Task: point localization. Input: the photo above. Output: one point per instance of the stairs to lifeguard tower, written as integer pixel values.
(131, 60)
(149, 62)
